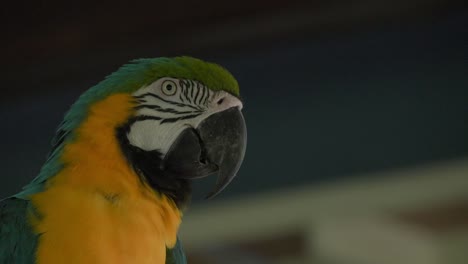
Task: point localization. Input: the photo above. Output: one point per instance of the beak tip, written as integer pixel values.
(220, 186)
(213, 194)
(210, 196)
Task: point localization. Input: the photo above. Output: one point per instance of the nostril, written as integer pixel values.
(221, 100)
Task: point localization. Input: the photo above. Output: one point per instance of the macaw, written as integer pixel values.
(117, 180)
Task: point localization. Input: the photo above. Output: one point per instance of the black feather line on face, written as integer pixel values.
(205, 100)
(202, 88)
(147, 165)
(192, 90)
(164, 100)
(175, 119)
(164, 110)
(184, 85)
(198, 87)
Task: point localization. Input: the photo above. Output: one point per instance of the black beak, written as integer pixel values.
(216, 145)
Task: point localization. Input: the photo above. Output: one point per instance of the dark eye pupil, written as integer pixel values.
(169, 87)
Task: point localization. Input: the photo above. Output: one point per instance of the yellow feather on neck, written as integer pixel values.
(96, 209)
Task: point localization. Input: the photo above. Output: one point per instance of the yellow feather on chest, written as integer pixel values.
(97, 210)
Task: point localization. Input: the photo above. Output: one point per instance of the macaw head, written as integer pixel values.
(178, 119)
(187, 124)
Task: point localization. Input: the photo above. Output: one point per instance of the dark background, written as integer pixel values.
(331, 89)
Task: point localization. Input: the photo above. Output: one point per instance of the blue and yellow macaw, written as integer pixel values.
(117, 179)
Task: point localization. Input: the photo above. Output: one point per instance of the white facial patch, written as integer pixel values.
(168, 106)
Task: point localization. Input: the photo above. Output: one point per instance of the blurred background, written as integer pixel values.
(357, 115)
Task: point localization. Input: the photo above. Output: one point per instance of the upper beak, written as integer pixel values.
(216, 145)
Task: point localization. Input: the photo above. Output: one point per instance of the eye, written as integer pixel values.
(169, 87)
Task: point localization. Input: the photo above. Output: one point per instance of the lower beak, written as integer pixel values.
(216, 145)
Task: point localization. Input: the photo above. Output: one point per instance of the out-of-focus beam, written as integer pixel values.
(45, 45)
